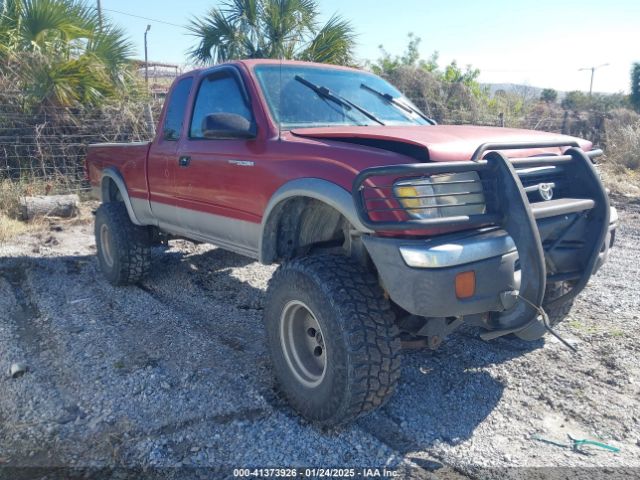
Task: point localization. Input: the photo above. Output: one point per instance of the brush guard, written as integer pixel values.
(508, 207)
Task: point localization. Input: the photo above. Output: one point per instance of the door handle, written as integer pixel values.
(184, 161)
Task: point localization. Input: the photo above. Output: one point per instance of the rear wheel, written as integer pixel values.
(124, 252)
(332, 336)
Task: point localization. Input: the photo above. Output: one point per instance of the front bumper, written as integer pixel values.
(515, 248)
(419, 275)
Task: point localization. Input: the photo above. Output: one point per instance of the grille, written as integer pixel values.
(466, 193)
(534, 181)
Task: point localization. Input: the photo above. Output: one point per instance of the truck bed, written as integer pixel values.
(130, 159)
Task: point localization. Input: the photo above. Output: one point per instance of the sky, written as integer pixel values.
(541, 43)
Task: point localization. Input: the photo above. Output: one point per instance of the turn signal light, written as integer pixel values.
(466, 284)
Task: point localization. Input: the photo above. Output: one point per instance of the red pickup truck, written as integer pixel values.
(387, 227)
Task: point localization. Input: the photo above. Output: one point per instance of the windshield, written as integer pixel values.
(293, 104)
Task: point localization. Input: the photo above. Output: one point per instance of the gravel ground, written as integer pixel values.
(174, 373)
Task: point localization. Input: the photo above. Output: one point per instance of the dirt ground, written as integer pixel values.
(174, 373)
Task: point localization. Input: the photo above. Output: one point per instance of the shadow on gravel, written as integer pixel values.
(442, 396)
(111, 367)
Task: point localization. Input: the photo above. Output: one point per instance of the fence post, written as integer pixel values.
(148, 114)
(603, 132)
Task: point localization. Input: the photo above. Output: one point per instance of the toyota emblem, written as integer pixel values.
(546, 191)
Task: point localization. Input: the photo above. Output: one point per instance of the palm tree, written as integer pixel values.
(271, 29)
(60, 54)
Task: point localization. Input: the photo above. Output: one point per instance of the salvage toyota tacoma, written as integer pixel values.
(387, 227)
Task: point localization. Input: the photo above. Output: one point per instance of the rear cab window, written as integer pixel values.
(176, 107)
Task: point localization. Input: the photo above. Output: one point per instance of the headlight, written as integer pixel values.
(446, 195)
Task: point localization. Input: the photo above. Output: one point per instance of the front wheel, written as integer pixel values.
(553, 291)
(333, 340)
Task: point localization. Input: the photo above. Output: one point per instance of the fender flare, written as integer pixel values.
(113, 174)
(327, 192)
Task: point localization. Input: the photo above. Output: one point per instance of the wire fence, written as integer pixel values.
(591, 125)
(49, 146)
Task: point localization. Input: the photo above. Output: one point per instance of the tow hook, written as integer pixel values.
(508, 300)
(545, 322)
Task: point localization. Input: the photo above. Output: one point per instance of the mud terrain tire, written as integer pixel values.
(124, 249)
(329, 306)
(553, 291)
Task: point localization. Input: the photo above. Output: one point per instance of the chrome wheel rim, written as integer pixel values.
(105, 242)
(303, 343)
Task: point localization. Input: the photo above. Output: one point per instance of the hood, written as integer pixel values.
(440, 143)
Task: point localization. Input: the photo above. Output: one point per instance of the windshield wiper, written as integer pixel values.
(324, 92)
(402, 105)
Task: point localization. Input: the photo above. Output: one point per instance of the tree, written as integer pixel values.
(452, 93)
(387, 63)
(468, 77)
(60, 53)
(597, 102)
(549, 95)
(635, 86)
(575, 100)
(271, 29)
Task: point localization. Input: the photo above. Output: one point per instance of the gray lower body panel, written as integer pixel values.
(238, 236)
(142, 210)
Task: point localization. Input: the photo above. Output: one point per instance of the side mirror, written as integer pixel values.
(227, 126)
